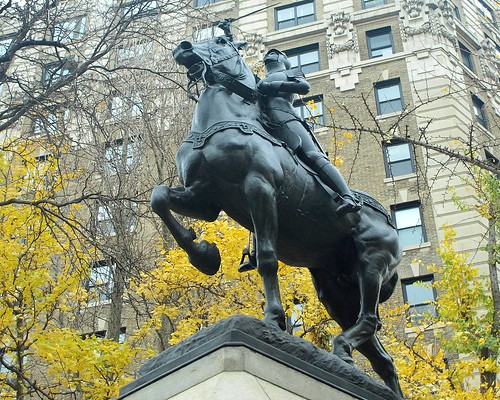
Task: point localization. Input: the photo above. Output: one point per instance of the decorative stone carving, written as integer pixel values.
(332, 49)
(413, 7)
(446, 11)
(339, 22)
(407, 31)
(255, 44)
(340, 35)
(490, 64)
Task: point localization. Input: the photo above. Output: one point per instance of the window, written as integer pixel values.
(105, 224)
(373, 3)
(70, 29)
(295, 14)
(408, 219)
(398, 157)
(50, 123)
(207, 32)
(456, 12)
(135, 52)
(466, 56)
(295, 322)
(131, 106)
(388, 96)
(485, 11)
(310, 109)
(100, 283)
(379, 42)
(102, 335)
(419, 295)
(120, 156)
(139, 8)
(203, 3)
(4, 45)
(54, 72)
(478, 107)
(304, 58)
(6, 361)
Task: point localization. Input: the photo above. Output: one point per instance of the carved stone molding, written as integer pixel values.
(339, 23)
(490, 64)
(340, 36)
(332, 49)
(407, 31)
(413, 7)
(446, 11)
(255, 44)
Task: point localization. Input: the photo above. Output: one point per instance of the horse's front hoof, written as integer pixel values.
(342, 350)
(276, 322)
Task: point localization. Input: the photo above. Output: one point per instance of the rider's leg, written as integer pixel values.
(333, 179)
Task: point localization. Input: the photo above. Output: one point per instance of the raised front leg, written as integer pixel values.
(203, 255)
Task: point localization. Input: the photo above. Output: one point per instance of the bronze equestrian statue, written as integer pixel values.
(229, 162)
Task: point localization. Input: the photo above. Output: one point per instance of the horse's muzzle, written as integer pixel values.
(184, 54)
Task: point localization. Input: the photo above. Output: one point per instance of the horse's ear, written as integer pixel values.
(240, 45)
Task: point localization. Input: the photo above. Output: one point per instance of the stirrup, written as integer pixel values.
(249, 264)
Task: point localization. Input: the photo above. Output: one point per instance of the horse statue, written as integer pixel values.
(229, 162)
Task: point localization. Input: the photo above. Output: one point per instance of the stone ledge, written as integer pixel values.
(291, 352)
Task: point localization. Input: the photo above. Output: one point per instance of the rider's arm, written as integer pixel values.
(294, 82)
(299, 86)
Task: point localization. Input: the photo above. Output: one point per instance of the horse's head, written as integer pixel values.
(218, 53)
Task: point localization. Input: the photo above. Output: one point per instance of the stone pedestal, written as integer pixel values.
(243, 358)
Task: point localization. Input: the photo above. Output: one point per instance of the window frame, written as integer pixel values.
(301, 51)
(108, 284)
(466, 56)
(295, 19)
(113, 154)
(386, 30)
(54, 72)
(204, 3)
(407, 282)
(151, 8)
(479, 112)
(389, 164)
(300, 106)
(5, 43)
(387, 84)
(404, 207)
(69, 32)
(376, 3)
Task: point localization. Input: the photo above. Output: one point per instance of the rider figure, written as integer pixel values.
(279, 88)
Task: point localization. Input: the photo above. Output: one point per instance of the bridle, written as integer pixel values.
(199, 72)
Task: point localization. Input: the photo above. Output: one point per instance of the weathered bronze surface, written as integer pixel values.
(228, 162)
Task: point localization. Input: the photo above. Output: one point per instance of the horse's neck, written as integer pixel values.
(216, 104)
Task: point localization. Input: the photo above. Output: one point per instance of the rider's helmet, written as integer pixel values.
(275, 55)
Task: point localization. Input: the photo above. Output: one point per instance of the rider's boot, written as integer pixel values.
(330, 176)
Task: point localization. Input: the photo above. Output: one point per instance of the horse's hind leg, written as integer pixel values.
(203, 255)
(381, 362)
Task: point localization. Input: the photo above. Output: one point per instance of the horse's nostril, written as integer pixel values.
(185, 45)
